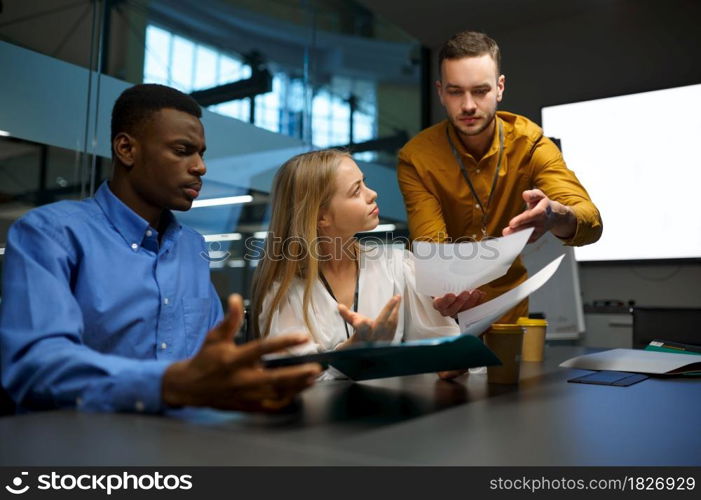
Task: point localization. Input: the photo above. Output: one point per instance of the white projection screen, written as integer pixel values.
(639, 157)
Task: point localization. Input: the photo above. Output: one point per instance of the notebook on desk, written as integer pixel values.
(379, 360)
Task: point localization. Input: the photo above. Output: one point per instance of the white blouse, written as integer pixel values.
(384, 271)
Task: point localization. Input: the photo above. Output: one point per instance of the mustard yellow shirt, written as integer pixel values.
(440, 205)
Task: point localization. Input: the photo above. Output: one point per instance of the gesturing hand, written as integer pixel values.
(451, 304)
(543, 214)
(367, 330)
(226, 376)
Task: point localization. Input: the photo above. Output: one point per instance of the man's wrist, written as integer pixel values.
(565, 225)
(172, 391)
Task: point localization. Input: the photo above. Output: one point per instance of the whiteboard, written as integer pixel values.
(560, 298)
(637, 156)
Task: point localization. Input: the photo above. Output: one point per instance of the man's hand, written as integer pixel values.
(543, 214)
(451, 304)
(451, 374)
(367, 330)
(230, 377)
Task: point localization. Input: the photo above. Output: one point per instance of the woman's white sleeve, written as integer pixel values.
(287, 318)
(421, 319)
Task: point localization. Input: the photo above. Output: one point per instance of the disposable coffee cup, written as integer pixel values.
(533, 338)
(506, 341)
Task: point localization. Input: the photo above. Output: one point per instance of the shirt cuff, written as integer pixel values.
(578, 235)
(135, 390)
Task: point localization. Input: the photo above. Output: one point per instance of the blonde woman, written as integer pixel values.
(315, 277)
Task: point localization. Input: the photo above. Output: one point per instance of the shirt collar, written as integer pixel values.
(131, 226)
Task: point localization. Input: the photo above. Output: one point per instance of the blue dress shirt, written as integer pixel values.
(94, 308)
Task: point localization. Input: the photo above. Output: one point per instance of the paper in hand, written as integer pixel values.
(443, 268)
(476, 320)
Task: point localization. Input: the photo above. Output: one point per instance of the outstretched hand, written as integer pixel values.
(367, 330)
(543, 215)
(451, 304)
(226, 376)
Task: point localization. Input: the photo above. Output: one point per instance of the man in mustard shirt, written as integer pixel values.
(484, 172)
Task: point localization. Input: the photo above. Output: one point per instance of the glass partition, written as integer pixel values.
(275, 78)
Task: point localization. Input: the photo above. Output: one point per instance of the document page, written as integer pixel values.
(443, 268)
(474, 321)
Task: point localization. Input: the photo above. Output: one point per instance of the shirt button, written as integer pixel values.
(149, 232)
(139, 406)
(134, 246)
(165, 301)
(477, 205)
(164, 346)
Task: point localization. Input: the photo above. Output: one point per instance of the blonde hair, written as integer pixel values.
(304, 185)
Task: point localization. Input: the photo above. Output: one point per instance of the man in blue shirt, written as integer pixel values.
(107, 303)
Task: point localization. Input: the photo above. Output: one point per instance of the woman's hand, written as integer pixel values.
(451, 304)
(367, 330)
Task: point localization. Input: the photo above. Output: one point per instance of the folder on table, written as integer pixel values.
(379, 360)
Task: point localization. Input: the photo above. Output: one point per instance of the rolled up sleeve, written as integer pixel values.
(559, 183)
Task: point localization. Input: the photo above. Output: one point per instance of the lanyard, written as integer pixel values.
(355, 295)
(483, 208)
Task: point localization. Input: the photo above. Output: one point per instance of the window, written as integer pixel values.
(188, 66)
(331, 114)
(181, 63)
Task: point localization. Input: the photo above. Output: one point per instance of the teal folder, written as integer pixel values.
(669, 346)
(675, 347)
(379, 360)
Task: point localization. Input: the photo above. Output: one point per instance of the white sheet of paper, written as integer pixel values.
(476, 320)
(633, 360)
(443, 268)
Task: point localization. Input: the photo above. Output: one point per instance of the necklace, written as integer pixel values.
(355, 295)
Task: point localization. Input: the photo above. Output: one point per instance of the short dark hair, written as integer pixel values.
(136, 105)
(469, 44)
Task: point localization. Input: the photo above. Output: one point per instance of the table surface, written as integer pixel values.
(413, 420)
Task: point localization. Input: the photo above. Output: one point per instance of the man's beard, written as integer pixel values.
(472, 132)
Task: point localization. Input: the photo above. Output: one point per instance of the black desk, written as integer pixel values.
(416, 420)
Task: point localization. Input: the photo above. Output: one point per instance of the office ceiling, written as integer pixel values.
(432, 22)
